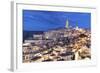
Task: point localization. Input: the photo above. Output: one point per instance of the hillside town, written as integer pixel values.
(65, 44)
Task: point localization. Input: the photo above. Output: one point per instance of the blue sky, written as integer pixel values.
(34, 20)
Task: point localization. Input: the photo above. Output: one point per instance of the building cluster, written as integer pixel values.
(58, 45)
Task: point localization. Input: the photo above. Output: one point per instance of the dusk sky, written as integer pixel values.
(34, 20)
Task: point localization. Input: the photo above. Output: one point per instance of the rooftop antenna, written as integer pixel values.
(67, 24)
